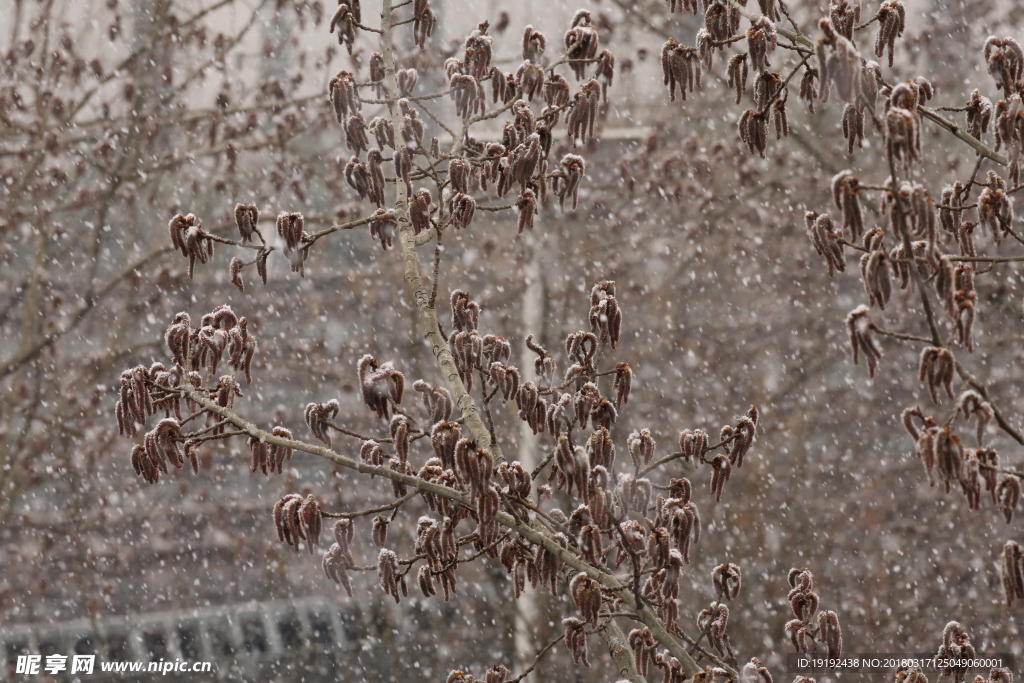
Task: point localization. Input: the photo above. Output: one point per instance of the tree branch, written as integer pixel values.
(621, 653)
(531, 531)
(413, 279)
(77, 316)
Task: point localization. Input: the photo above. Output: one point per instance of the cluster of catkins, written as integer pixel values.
(581, 43)
(145, 391)
(220, 332)
(381, 386)
(467, 93)
(942, 452)
(436, 543)
(736, 442)
(727, 579)
(680, 66)
(903, 121)
(891, 18)
(346, 20)
(291, 230)
(956, 648)
(827, 240)
(644, 647)
(583, 114)
(605, 314)
(754, 672)
(136, 401)
(1005, 61)
(424, 22)
(913, 212)
(937, 370)
(267, 457)
(488, 354)
(344, 98)
(672, 669)
(565, 409)
(846, 195)
(247, 219)
(839, 62)
(338, 558)
(810, 626)
(298, 520)
(439, 546)
(674, 529)
(713, 622)
(693, 444)
(862, 342)
(761, 40)
(937, 447)
(188, 237)
(995, 207)
(496, 674)
(161, 446)
(1011, 572)
(367, 178)
(770, 93)
(576, 639)
(318, 417)
(521, 157)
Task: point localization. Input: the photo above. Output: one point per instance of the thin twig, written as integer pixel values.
(901, 335)
(536, 660)
(680, 454)
(983, 390)
(76, 317)
(357, 435)
(393, 505)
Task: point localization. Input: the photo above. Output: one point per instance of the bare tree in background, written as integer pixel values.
(95, 121)
(100, 120)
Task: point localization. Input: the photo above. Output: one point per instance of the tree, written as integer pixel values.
(650, 554)
(99, 120)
